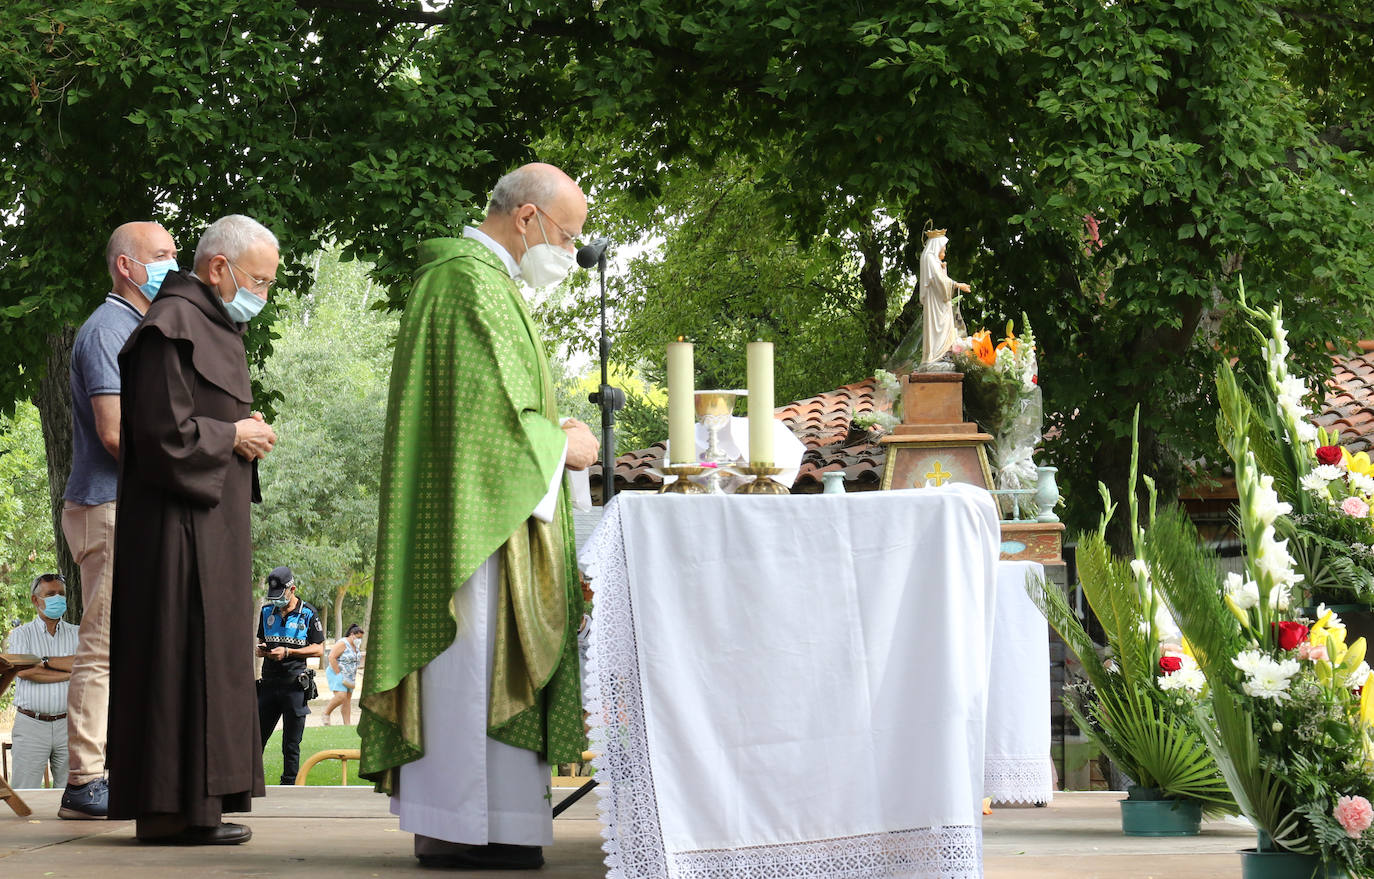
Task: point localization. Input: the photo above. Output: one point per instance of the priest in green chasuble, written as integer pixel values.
(472, 686)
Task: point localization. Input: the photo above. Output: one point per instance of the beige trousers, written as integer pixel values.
(90, 534)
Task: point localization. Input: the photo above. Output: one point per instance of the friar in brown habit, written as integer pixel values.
(183, 743)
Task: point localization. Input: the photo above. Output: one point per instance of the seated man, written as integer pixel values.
(289, 631)
(40, 693)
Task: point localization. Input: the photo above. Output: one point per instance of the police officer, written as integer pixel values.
(289, 632)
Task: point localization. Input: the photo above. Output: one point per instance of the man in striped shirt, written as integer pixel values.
(40, 693)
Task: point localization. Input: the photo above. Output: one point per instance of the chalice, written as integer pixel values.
(714, 409)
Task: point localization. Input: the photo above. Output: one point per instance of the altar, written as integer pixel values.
(792, 686)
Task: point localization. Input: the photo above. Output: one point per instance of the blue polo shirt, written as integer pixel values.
(298, 628)
(95, 372)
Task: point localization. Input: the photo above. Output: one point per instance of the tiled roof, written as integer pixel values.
(820, 422)
(1349, 403)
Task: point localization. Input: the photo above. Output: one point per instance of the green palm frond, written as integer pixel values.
(1169, 755)
(1188, 578)
(1054, 604)
(1262, 796)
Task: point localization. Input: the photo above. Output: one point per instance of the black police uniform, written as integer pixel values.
(282, 690)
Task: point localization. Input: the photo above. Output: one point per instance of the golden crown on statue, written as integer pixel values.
(936, 233)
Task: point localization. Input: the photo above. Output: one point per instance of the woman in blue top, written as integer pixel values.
(342, 672)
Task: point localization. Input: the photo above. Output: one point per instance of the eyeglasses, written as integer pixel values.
(263, 284)
(572, 239)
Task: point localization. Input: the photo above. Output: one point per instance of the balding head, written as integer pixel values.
(132, 246)
(533, 204)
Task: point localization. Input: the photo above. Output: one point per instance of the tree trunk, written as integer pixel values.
(54, 402)
(367, 614)
(338, 609)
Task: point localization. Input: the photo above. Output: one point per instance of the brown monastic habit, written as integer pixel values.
(183, 733)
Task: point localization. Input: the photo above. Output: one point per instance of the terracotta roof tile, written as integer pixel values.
(820, 422)
(1349, 403)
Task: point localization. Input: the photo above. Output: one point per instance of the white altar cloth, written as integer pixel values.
(792, 686)
(1017, 767)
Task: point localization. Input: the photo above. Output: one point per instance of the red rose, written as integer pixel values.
(1291, 634)
(1170, 664)
(1329, 455)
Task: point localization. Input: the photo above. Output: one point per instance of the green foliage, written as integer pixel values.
(26, 537)
(321, 481)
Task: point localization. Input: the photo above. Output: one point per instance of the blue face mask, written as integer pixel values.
(157, 272)
(244, 306)
(54, 606)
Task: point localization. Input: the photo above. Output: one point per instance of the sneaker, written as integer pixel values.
(85, 801)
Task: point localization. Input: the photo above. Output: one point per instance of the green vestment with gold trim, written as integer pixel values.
(472, 445)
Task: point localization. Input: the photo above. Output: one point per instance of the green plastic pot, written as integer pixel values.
(1268, 861)
(1145, 813)
(1256, 864)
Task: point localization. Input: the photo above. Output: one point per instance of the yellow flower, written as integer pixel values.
(1367, 705)
(1358, 463)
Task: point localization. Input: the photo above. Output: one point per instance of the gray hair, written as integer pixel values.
(232, 236)
(41, 578)
(525, 185)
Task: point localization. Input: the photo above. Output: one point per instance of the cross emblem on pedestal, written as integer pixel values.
(939, 474)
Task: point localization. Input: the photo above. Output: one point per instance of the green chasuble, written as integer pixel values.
(472, 444)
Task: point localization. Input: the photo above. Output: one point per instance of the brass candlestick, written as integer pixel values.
(763, 482)
(683, 485)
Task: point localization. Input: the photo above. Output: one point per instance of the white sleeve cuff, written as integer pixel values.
(544, 512)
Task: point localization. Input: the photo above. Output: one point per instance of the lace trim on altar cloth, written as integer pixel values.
(943, 852)
(627, 802)
(1027, 779)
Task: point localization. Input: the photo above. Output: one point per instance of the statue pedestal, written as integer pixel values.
(934, 445)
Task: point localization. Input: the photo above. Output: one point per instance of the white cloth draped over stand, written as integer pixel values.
(792, 686)
(1018, 767)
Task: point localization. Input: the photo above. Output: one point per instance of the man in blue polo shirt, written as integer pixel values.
(289, 632)
(138, 256)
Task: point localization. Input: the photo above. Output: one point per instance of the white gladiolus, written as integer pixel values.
(1290, 392)
(1307, 432)
(1266, 504)
(1245, 593)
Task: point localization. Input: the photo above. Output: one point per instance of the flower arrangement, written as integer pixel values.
(1138, 702)
(1330, 491)
(1002, 394)
(1287, 707)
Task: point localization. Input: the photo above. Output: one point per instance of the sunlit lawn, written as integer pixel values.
(316, 738)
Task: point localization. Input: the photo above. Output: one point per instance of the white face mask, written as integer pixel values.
(543, 264)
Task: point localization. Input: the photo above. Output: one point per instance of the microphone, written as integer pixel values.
(588, 255)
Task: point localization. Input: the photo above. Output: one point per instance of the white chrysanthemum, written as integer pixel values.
(1315, 484)
(1266, 504)
(1361, 482)
(1270, 679)
(1189, 678)
(1249, 661)
(1359, 677)
(1329, 472)
(1307, 431)
(1335, 621)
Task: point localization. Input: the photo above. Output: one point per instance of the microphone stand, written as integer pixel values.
(608, 398)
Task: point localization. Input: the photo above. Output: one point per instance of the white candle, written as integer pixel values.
(682, 440)
(761, 404)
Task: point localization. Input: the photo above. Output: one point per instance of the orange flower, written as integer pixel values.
(1009, 342)
(982, 347)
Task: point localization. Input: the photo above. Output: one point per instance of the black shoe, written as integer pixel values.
(220, 834)
(493, 856)
(85, 801)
